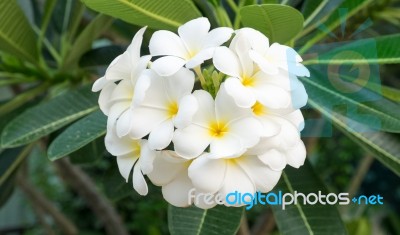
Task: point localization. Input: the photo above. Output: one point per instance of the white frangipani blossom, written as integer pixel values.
(272, 58)
(247, 83)
(157, 105)
(116, 99)
(227, 128)
(131, 153)
(192, 47)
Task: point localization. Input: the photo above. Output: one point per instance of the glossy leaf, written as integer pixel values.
(357, 102)
(84, 41)
(298, 218)
(273, 20)
(45, 118)
(10, 159)
(165, 14)
(89, 153)
(219, 220)
(22, 42)
(78, 135)
(384, 147)
(382, 50)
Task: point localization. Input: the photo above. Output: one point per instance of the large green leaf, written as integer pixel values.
(309, 219)
(157, 14)
(273, 20)
(219, 220)
(78, 135)
(10, 159)
(16, 35)
(45, 118)
(384, 147)
(85, 40)
(382, 50)
(347, 9)
(359, 103)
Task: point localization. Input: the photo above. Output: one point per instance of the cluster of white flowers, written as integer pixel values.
(234, 130)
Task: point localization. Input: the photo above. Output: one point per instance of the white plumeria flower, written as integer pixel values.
(192, 47)
(226, 127)
(131, 153)
(272, 58)
(248, 172)
(171, 172)
(158, 102)
(116, 99)
(287, 143)
(247, 83)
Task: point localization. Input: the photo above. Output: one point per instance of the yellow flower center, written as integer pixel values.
(259, 109)
(217, 129)
(136, 147)
(172, 109)
(247, 81)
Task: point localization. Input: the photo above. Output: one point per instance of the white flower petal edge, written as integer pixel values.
(192, 47)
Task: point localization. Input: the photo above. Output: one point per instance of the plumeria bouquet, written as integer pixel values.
(207, 112)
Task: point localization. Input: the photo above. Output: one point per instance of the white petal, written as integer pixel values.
(147, 157)
(211, 181)
(194, 33)
(120, 146)
(125, 164)
(248, 130)
(243, 96)
(124, 123)
(122, 92)
(166, 166)
(227, 62)
(226, 146)
(273, 97)
(262, 176)
(200, 57)
(134, 47)
(296, 117)
(188, 106)
(99, 84)
(274, 159)
(160, 137)
(167, 65)
(164, 42)
(259, 42)
(179, 84)
(191, 141)
(242, 48)
(139, 67)
(206, 108)
(105, 97)
(177, 191)
(226, 108)
(270, 127)
(236, 180)
(217, 37)
(145, 120)
(115, 112)
(296, 156)
(139, 183)
(299, 96)
(120, 68)
(265, 65)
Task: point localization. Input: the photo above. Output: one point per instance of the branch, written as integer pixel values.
(39, 200)
(86, 188)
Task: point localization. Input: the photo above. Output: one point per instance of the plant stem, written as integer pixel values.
(202, 80)
(86, 188)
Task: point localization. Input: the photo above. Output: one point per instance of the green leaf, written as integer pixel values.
(382, 50)
(6, 190)
(161, 14)
(273, 20)
(100, 56)
(359, 103)
(16, 35)
(310, 219)
(315, 10)
(384, 147)
(115, 186)
(78, 135)
(85, 40)
(10, 159)
(351, 7)
(45, 118)
(219, 220)
(360, 226)
(89, 153)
